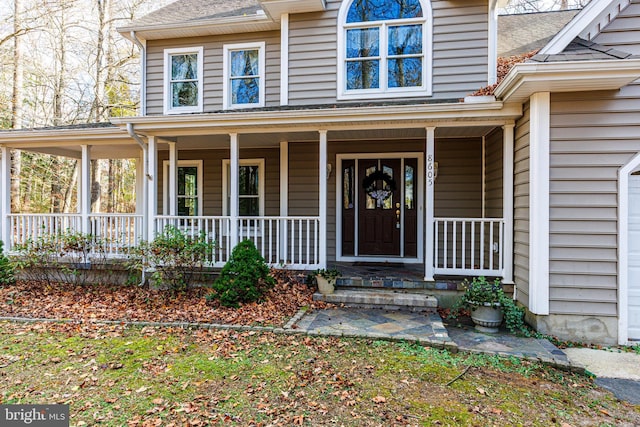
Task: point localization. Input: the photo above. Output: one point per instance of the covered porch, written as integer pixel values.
(283, 184)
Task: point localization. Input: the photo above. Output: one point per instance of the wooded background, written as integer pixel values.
(62, 62)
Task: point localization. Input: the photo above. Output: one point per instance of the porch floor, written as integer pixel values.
(390, 276)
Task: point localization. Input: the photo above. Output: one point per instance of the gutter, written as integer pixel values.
(143, 70)
(145, 189)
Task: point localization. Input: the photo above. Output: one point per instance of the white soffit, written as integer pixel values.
(531, 77)
(211, 27)
(586, 24)
(275, 8)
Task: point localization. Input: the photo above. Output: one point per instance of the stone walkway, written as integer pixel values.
(427, 328)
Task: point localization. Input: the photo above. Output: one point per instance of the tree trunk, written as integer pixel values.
(17, 99)
(96, 176)
(72, 184)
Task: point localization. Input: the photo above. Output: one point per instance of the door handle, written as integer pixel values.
(397, 215)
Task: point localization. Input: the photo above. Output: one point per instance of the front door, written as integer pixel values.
(379, 207)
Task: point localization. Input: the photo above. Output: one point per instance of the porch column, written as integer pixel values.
(139, 186)
(234, 209)
(152, 187)
(5, 204)
(507, 201)
(322, 198)
(284, 197)
(85, 187)
(173, 182)
(429, 221)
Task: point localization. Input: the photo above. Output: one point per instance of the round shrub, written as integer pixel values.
(244, 278)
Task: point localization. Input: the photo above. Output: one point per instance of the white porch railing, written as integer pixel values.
(282, 241)
(116, 231)
(25, 227)
(469, 246)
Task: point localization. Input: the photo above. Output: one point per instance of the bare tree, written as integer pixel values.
(530, 6)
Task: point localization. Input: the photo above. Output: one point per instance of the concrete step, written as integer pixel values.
(388, 300)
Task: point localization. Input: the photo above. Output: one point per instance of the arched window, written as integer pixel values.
(384, 49)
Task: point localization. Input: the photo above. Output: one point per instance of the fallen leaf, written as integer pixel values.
(379, 399)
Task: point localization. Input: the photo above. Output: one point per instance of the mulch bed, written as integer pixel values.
(134, 303)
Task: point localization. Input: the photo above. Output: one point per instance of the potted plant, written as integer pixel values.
(326, 280)
(489, 305)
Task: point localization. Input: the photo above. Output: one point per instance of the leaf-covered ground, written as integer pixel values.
(111, 375)
(134, 303)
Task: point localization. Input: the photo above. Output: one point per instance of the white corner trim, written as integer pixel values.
(284, 59)
(493, 44)
(168, 109)
(539, 145)
(226, 88)
(623, 247)
(597, 13)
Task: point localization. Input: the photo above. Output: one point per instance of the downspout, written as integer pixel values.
(145, 174)
(143, 73)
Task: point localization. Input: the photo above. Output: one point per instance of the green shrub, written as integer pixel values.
(6, 268)
(176, 257)
(244, 278)
(62, 257)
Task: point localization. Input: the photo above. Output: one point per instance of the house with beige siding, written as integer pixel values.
(334, 132)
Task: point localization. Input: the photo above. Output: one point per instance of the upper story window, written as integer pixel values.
(183, 85)
(244, 75)
(384, 49)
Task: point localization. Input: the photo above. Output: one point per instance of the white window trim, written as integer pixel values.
(225, 179)
(165, 183)
(226, 87)
(383, 91)
(168, 109)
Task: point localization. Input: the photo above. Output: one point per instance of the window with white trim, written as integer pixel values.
(384, 49)
(183, 74)
(189, 188)
(244, 75)
(250, 187)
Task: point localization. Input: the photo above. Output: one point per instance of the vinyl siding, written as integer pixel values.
(521, 208)
(213, 69)
(587, 150)
(494, 174)
(460, 53)
(593, 134)
(212, 177)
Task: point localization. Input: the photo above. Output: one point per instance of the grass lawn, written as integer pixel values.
(111, 375)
